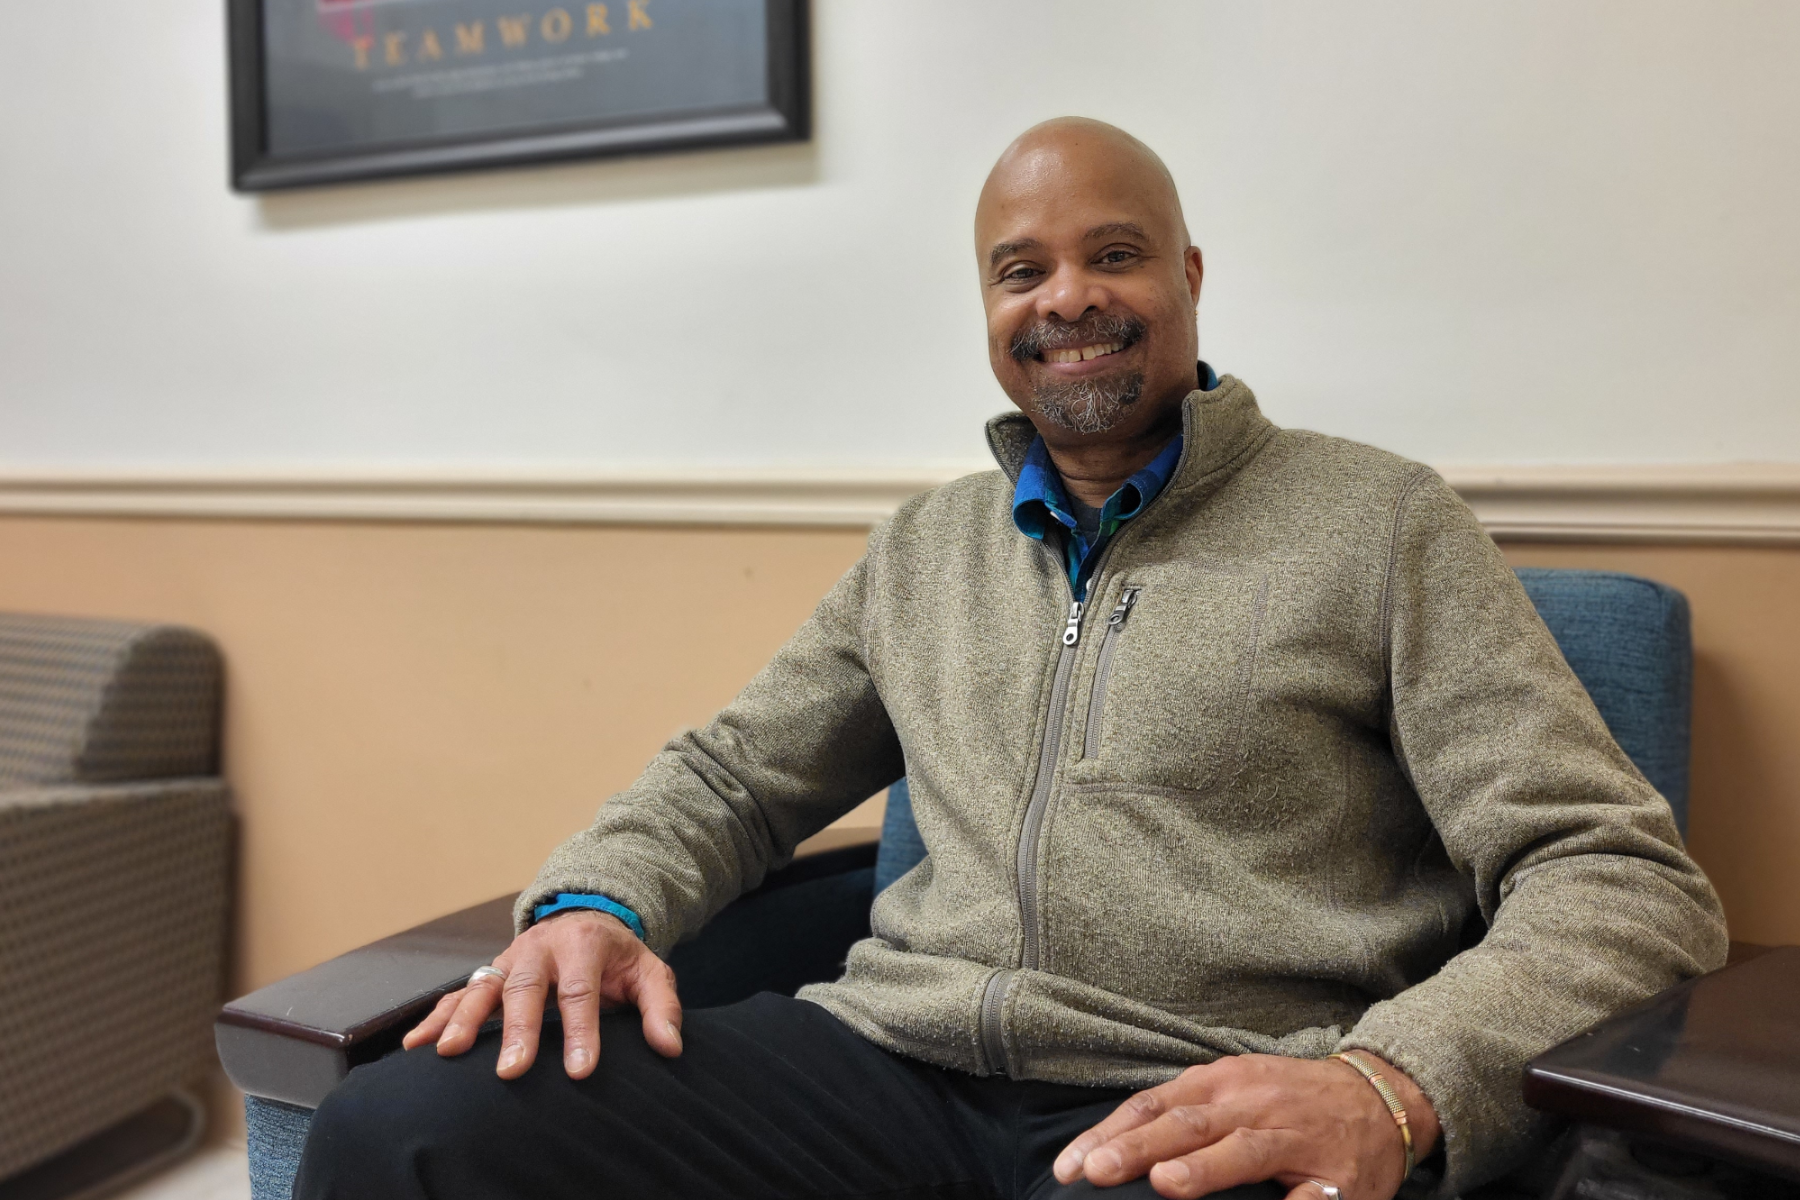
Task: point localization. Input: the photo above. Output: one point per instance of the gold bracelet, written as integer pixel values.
(1389, 1097)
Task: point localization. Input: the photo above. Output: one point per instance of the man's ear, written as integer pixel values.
(1196, 271)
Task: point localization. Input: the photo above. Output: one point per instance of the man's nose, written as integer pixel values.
(1070, 294)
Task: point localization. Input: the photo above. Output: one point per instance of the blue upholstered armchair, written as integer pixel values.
(290, 1043)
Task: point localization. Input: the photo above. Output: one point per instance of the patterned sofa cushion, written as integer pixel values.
(86, 701)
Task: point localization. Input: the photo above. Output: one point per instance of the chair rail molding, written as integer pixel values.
(1733, 503)
(1743, 503)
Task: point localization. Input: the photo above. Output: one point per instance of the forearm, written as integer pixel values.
(674, 848)
(723, 805)
(1574, 942)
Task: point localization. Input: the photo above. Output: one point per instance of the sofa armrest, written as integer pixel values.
(294, 1040)
(1710, 1066)
(114, 900)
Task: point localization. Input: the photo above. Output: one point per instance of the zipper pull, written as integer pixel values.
(1072, 630)
(1126, 600)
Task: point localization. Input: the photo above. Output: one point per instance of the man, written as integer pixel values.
(1233, 748)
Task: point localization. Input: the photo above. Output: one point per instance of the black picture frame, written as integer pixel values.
(783, 115)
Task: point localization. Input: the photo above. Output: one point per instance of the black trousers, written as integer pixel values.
(772, 1097)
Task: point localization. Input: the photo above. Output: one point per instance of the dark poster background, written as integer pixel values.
(367, 87)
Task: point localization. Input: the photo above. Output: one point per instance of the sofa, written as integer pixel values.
(115, 851)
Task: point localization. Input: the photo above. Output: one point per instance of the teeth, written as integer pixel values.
(1083, 353)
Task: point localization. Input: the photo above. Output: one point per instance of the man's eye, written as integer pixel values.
(1113, 258)
(1018, 274)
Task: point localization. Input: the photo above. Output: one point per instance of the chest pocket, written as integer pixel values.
(1171, 693)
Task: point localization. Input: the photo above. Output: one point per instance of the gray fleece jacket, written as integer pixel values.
(1306, 736)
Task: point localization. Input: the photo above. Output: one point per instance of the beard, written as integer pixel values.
(1082, 405)
(1089, 405)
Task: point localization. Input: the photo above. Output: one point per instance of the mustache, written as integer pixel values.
(1055, 334)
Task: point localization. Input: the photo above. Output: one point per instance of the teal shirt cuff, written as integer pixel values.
(605, 904)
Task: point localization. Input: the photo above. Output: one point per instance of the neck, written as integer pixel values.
(1094, 466)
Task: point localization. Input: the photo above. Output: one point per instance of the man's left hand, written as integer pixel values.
(1254, 1117)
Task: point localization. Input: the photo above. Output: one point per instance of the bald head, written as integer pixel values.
(1090, 284)
(1079, 151)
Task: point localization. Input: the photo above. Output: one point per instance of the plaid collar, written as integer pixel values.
(1040, 499)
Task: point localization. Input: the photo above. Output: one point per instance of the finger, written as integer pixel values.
(1309, 1189)
(475, 1004)
(526, 988)
(434, 1022)
(1189, 1087)
(1181, 1130)
(579, 1000)
(1242, 1156)
(652, 989)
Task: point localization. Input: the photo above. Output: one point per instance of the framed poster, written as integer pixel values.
(330, 91)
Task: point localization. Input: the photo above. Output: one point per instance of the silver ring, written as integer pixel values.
(1331, 1193)
(480, 973)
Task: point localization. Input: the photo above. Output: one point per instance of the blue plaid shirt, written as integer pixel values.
(1039, 498)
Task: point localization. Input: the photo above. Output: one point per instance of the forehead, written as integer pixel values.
(1059, 194)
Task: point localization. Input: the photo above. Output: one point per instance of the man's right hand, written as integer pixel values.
(591, 959)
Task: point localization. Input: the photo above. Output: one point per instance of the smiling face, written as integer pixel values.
(1089, 283)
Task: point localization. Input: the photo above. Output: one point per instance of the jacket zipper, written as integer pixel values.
(1115, 624)
(1040, 792)
(993, 995)
(993, 1042)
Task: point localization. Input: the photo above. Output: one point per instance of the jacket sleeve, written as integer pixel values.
(723, 805)
(1591, 903)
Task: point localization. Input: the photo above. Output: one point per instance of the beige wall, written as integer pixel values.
(416, 713)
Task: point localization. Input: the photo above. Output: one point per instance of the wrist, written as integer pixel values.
(597, 914)
(1421, 1118)
(596, 902)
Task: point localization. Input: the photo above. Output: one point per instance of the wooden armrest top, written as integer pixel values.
(1712, 1064)
(344, 1000)
(293, 1039)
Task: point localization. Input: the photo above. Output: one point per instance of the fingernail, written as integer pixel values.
(1069, 1162)
(510, 1056)
(1175, 1172)
(577, 1059)
(1105, 1160)
(673, 1032)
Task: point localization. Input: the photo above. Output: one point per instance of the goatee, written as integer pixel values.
(1083, 405)
(1089, 405)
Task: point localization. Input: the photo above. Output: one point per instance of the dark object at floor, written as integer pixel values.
(114, 1158)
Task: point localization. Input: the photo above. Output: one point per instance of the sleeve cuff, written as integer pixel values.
(567, 900)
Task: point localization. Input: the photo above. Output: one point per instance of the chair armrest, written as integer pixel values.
(295, 1040)
(1711, 1066)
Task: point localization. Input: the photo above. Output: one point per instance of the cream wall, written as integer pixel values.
(1545, 230)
